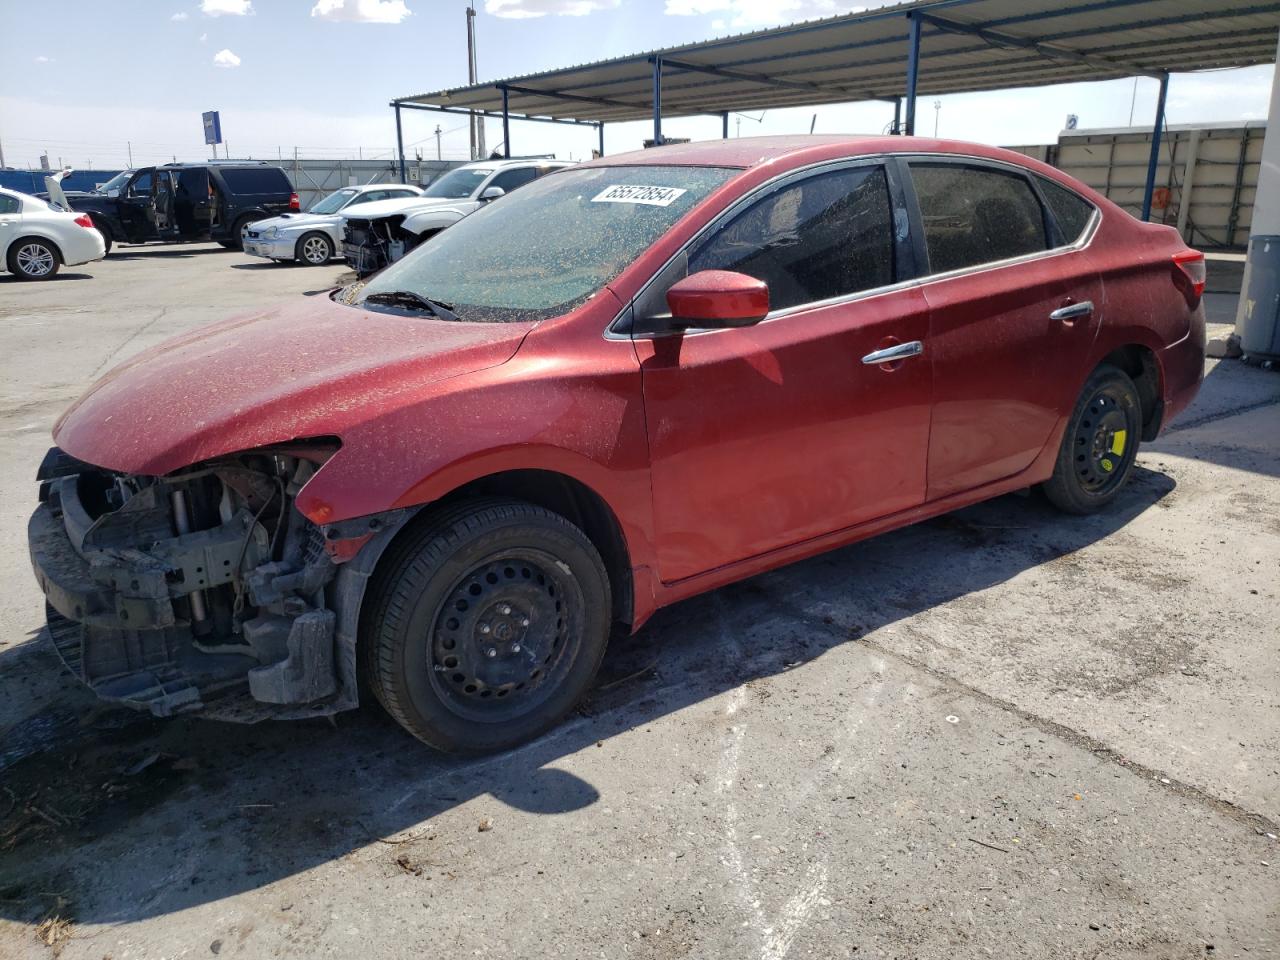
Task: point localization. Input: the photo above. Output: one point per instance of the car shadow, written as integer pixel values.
(56, 278)
(189, 811)
(265, 265)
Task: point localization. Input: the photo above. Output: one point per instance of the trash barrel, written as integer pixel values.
(1258, 321)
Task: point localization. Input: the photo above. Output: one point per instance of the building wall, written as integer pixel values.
(1206, 178)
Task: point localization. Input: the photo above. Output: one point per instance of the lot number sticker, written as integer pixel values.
(651, 196)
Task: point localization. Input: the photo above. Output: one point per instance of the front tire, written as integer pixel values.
(314, 250)
(485, 624)
(32, 258)
(1100, 444)
(236, 240)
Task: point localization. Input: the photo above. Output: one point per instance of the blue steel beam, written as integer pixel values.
(1154, 161)
(400, 143)
(657, 101)
(913, 71)
(466, 111)
(506, 124)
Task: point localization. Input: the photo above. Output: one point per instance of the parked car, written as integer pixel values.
(455, 479)
(377, 234)
(37, 237)
(211, 200)
(311, 238)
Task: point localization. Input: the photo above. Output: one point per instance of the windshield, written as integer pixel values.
(549, 246)
(458, 184)
(115, 183)
(335, 201)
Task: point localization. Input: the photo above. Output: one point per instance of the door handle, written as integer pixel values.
(1070, 312)
(899, 351)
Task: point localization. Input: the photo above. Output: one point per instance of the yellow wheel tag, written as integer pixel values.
(1117, 441)
(1107, 466)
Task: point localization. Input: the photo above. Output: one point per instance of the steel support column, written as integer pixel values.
(600, 131)
(657, 101)
(897, 116)
(399, 143)
(724, 125)
(1154, 161)
(913, 71)
(506, 125)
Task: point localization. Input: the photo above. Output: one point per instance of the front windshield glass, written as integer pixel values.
(116, 182)
(335, 201)
(457, 184)
(547, 247)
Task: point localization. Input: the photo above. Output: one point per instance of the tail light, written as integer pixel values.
(1190, 264)
(294, 203)
(84, 221)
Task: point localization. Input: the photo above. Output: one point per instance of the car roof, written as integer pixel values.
(788, 151)
(220, 164)
(499, 163)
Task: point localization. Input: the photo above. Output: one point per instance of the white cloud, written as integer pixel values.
(44, 59)
(179, 16)
(226, 8)
(225, 58)
(361, 11)
(527, 9)
(759, 13)
(204, 37)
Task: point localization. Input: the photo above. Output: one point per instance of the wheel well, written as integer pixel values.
(1140, 364)
(35, 236)
(578, 504)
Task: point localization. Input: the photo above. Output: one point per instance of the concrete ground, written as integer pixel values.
(1004, 732)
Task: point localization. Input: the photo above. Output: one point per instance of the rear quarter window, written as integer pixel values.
(1071, 211)
(257, 180)
(9, 204)
(976, 215)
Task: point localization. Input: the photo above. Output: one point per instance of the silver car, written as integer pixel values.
(313, 237)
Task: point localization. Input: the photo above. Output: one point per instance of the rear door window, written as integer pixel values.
(1071, 211)
(975, 215)
(256, 180)
(826, 236)
(508, 180)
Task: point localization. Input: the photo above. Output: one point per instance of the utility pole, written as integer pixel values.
(129, 146)
(439, 155)
(1, 156)
(477, 122)
(937, 112)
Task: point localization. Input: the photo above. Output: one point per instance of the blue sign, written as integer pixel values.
(212, 127)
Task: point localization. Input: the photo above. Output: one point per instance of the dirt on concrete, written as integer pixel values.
(1003, 732)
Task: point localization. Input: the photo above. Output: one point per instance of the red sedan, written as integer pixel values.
(627, 383)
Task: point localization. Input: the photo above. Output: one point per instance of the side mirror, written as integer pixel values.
(718, 298)
(492, 193)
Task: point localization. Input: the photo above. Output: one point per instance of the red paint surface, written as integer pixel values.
(721, 454)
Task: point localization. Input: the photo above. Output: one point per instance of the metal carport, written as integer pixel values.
(892, 54)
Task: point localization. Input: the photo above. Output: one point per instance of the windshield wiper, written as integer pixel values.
(407, 298)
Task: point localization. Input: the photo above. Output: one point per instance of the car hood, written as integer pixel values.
(299, 370)
(385, 208)
(298, 221)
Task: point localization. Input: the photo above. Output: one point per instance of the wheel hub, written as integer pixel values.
(1102, 442)
(499, 635)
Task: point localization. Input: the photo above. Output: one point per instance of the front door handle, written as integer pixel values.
(1070, 312)
(899, 351)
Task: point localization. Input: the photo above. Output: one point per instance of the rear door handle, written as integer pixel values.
(1070, 312)
(897, 352)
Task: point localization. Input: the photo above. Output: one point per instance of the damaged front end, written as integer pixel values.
(369, 244)
(204, 590)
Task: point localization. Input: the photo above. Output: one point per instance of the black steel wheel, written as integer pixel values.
(485, 624)
(1100, 444)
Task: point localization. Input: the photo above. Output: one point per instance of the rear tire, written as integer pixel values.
(103, 229)
(485, 624)
(1100, 444)
(32, 258)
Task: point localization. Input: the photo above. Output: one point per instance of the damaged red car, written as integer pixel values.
(454, 480)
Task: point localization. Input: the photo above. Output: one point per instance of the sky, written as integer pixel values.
(95, 82)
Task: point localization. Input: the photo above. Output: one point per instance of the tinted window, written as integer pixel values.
(8, 204)
(1071, 212)
(827, 236)
(142, 186)
(973, 215)
(400, 194)
(193, 184)
(508, 180)
(257, 180)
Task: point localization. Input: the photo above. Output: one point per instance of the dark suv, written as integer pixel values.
(213, 200)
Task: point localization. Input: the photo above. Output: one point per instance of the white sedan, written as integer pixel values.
(37, 237)
(311, 238)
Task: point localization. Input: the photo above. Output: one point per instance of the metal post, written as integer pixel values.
(913, 72)
(506, 125)
(600, 131)
(399, 144)
(896, 129)
(1154, 160)
(657, 101)
(724, 125)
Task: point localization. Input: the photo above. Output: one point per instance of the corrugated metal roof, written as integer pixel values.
(862, 56)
